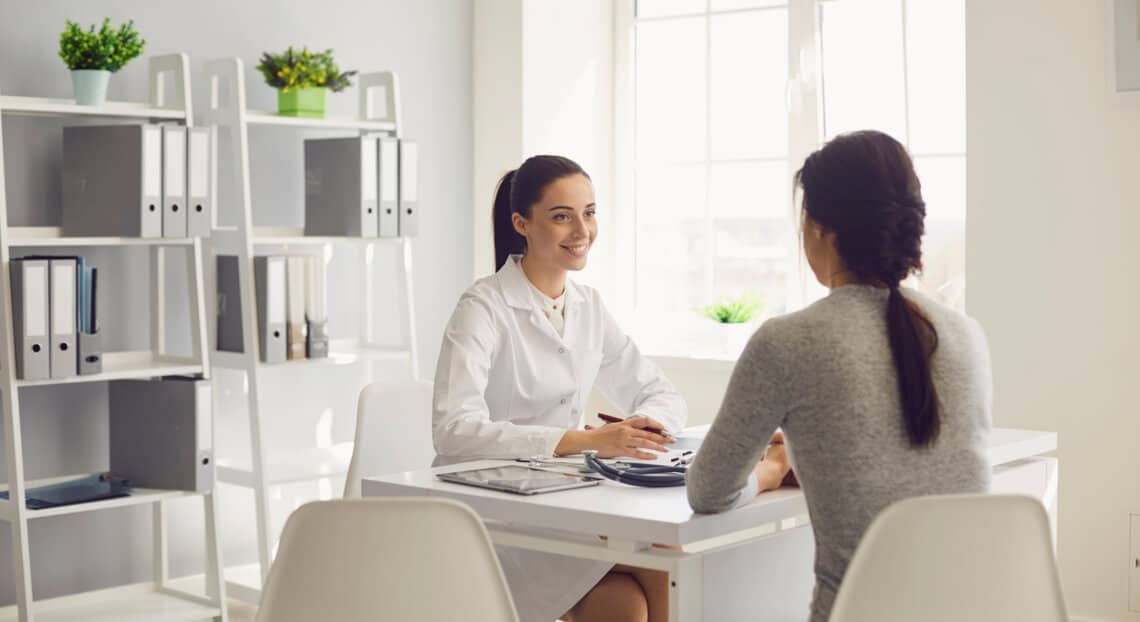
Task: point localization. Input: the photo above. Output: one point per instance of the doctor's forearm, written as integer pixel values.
(572, 442)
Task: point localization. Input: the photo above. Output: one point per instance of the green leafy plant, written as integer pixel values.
(734, 310)
(297, 70)
(106, 49)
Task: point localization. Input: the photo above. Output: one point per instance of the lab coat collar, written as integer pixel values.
(516, 287)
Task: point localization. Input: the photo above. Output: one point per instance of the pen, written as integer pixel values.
(612, 419)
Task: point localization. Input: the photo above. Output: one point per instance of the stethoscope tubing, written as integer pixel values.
(646, 476)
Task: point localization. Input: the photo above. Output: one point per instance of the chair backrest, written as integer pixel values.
(385, 559)
(393, 431)
(951, 558)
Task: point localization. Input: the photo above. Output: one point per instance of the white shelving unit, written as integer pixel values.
(266, 467)
(152, 601)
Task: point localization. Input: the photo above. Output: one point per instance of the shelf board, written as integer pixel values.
(258, 117)
(132, 603)
(341, 353)
(26, 237)
(244, 582)
(125, 365)
(42, 106)
(304, 465)
(283, 236)
(138, 496)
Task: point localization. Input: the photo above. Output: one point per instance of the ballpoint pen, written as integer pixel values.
(612, 419)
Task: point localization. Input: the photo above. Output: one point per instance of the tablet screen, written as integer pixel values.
(519, 478)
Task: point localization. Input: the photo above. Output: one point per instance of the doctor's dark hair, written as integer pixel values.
(862, 187)
(518, 191)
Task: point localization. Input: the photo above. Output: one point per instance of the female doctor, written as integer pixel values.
(519, 357)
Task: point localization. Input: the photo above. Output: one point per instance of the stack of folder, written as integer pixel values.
(363, 186)
(55, 317)
(291, 307)
(138, 180)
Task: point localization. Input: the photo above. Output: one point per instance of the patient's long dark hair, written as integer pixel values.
(518, 191)
(862, 187)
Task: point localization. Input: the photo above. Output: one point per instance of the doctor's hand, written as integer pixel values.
(627, 439)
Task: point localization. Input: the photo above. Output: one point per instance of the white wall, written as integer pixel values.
(1052, 255)
(428, 42)
(543, 85)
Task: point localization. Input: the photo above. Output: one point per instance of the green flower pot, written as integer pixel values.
(306, 102)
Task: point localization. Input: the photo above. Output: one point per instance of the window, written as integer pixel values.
(715, 129)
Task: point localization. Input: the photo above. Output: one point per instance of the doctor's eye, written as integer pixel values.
(590, 213)
(561, 217)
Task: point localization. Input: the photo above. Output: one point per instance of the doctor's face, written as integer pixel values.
(561, 228)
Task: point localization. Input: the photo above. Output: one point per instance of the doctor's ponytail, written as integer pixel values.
(518, 191)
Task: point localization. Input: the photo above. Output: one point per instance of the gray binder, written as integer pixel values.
(389, 187)
(199, 181)
(269, 274)
(63, 314)
(161, 433)
(112, 180)
(229, 304)
(30, 320)
(409, 204)
(341, 186)
(173, 181)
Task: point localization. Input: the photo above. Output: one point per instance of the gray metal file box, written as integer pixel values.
(161, 433)
(341, 186)
(112, 180)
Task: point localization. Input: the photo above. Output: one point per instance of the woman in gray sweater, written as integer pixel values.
(881, 392)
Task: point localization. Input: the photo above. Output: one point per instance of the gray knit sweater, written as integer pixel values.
(826, 376)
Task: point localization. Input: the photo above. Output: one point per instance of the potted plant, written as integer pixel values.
(301, 79)
(736, 315)
(93, 56)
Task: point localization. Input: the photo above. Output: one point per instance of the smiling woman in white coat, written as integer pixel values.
(520, 355)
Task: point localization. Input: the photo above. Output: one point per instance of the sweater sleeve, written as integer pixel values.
(722, 476)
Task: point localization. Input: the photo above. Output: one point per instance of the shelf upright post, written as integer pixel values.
(380, 101)
(230, 111)
(17, 512)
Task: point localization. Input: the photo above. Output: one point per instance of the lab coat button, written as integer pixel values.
(562, 401)
(562, 350)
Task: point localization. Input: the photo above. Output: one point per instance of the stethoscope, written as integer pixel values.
(645, 475)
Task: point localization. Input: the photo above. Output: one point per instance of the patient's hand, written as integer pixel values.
(774, 468)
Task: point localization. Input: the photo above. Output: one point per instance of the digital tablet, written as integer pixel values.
(520, 480)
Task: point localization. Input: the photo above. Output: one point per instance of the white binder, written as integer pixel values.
(389, 187)
(409, 204)
(64, 361)
(269, 275)
(30, 309)
(173, 181)
(199, 181)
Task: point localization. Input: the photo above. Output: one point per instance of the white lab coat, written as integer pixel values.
(508, 386)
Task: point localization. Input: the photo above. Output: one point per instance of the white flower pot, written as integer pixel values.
(735, 336)
(90, 86)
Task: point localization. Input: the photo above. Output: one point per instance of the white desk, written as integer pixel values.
(754, 562)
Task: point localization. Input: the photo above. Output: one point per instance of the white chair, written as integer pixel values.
(385, 559)
(951, 558)
(393, 431)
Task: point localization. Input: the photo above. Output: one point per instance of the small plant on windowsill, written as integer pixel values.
(93, 56)
(740, 309)
(301, 79)
(737, 316)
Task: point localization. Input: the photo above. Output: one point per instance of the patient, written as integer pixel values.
(882, 392)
